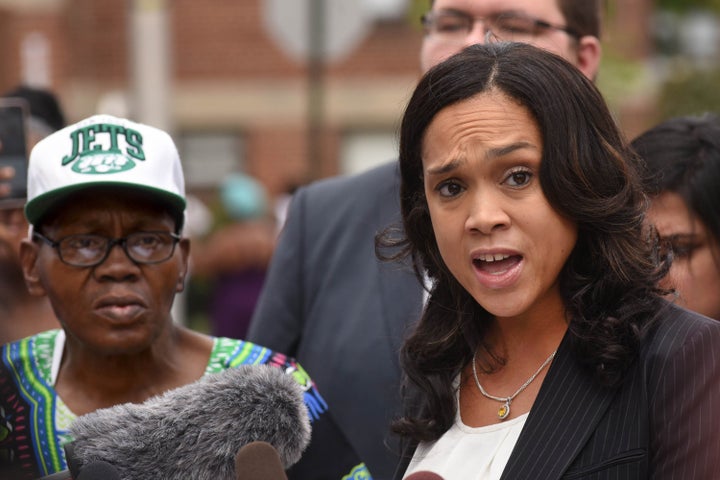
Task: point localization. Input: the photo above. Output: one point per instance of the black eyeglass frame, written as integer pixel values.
(427, 18)
(122, 241)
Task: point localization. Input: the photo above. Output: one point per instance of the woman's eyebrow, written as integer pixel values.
(491, 153)
(445, 167)
(507, 149)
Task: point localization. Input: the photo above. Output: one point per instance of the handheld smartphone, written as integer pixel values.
(13, 148)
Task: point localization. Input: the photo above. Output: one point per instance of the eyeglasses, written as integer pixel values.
(455, 26)
(91, 250)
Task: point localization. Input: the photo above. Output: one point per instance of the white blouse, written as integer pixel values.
(467, 453)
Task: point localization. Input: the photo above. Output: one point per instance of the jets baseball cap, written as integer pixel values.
(103, 150)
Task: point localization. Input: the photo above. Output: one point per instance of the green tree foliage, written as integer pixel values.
(690, 93)
(416, 9)
(685, 5)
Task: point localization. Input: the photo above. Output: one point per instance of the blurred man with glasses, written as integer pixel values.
(570, 28)
(327, 299)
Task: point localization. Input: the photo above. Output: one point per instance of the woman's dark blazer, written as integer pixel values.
(662, 423)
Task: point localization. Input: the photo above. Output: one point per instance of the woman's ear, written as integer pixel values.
(29, 252)
(184, 245)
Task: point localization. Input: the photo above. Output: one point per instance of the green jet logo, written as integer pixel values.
(96, 149)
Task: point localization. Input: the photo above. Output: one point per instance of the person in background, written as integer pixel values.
(46, 113)
(106, 202)
(327, 299)
(22, 314)
(682, 158)
(546, 349)
(230, 262)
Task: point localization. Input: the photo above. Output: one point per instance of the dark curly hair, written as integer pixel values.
(682, 155)
(588, 174)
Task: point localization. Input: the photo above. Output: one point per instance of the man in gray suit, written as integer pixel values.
(328, 300)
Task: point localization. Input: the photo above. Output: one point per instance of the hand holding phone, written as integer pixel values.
(13, 152)
(6, 173)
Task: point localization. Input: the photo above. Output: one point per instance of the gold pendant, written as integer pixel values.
(504, 411)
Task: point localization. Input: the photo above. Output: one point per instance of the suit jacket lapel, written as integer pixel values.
(566, 412)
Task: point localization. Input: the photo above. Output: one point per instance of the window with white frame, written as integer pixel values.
(363, 150)
(208, 157)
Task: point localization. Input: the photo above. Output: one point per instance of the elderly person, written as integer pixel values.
(106, 206)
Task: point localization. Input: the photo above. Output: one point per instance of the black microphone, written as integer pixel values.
(423, 475)
(259, 461)
(197, 430)
(99, 470)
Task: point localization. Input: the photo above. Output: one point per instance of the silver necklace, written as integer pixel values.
(504, 410)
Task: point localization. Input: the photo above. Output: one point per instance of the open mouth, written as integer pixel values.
(496, 264)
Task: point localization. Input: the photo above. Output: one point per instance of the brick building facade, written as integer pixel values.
(235, 99)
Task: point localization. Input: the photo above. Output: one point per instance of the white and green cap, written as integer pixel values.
(103, 150)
